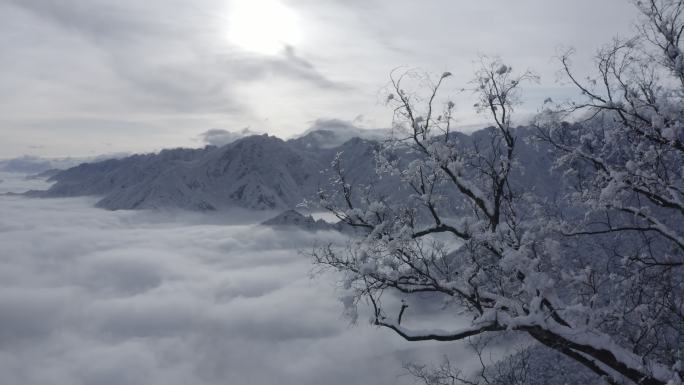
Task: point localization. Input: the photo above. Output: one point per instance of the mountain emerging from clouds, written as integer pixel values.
(256, 172)
(292, 219)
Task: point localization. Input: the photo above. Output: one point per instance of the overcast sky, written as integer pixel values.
(85, 77)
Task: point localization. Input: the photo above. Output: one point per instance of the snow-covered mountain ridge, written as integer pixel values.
(255, 172)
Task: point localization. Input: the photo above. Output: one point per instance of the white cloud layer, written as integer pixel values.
(95, 297)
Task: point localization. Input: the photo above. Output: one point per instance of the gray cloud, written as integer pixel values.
(333, 125)
(334, 132)
(220, 137)
(298, 67)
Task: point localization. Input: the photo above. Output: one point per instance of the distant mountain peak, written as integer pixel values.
(294, 219)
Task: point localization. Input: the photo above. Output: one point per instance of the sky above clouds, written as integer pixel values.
(90, 77)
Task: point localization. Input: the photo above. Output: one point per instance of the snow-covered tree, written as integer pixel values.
(594, 272)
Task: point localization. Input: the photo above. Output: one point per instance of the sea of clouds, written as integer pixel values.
(89, 296)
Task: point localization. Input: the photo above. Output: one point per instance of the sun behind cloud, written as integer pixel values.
(263, 26)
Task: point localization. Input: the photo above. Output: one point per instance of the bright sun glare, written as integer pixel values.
(263, 26)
